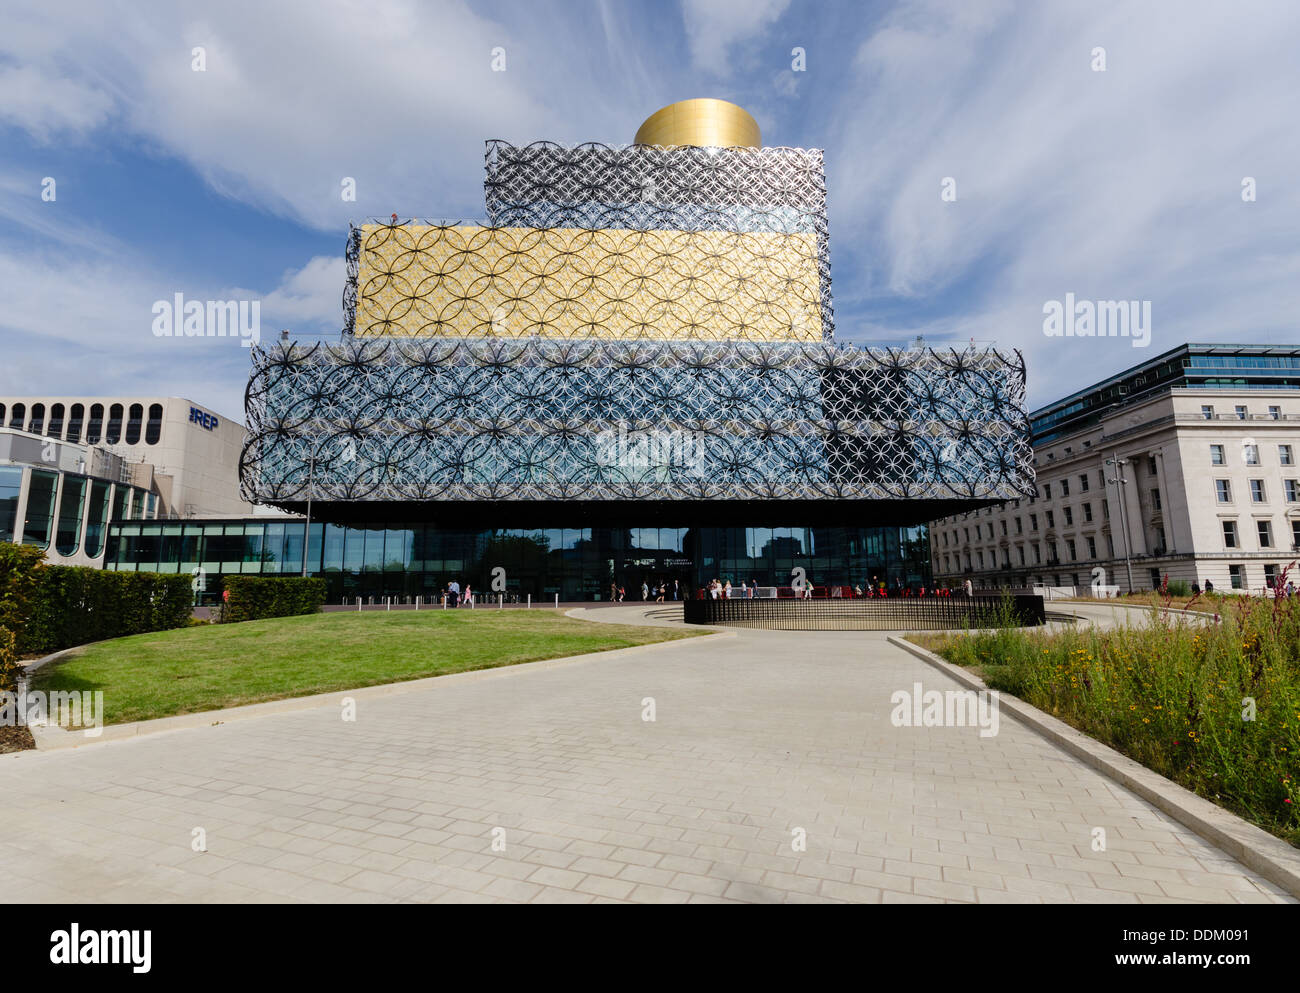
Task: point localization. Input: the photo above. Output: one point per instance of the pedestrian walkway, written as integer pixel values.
(770, 772)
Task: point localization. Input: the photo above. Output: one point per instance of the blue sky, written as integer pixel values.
(1119, 184)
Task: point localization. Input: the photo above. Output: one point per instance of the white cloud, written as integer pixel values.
(46, 105)
(713, 27)
(1116, 184)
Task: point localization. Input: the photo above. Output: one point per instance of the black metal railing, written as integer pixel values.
(866, 614)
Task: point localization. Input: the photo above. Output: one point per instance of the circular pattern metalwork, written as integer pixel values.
(395, 419)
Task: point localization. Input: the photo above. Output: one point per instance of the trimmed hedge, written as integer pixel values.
(20, 568)
(73, 605)
(254, 597)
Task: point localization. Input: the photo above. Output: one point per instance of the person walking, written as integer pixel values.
(468, 598)
(676, 590)
(645, 590)
(453, 588)
(968, 589)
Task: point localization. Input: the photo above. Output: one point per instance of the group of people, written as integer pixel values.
(456, 597)
(717, 590)
(658, 592)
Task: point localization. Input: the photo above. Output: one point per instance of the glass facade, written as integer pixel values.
(11, 483)
(578, 564)
(40, 508)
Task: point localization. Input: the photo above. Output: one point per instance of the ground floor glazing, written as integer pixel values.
(577, 564)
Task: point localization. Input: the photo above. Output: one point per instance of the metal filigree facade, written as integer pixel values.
(541, 420)
(634, 326)
(594, 241)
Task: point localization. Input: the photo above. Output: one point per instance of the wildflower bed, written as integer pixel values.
(1212, 703)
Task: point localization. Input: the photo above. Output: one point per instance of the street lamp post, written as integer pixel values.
(1119, 481)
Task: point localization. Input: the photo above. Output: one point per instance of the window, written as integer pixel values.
(1292, 490)
(1069, 517)
(1069, 544)
(1265, 530)
(1033, 522)
(981, 555)
(1257, 491)
(1092, 547)
(1223, 490)
(1270, 574)
(1207, 412)
(967, 530)
(1295, 534)
(75, 418)
(1101, 478)
(96, 427)
(1160, 539)
(1275, 413)
(17, 416)
(55, 428)
(1151, 465)
(1105, 509)
(40, 508)
(1047, 491)
(1051, 521)
(1065, 487)
(1083, 482)
(1087, 513)
(1216, 455)
(1251, 454)
(1156, 581)
(1038, 554)
(1241, 411)
(38, 418)
(1021, 550)
(11, 484)
(133, 424)
(1004, 526)
(1229, 534)
(1284, 456)
(114, 433)
(153, 430)
(1020, 526)
(1155, 499)
(1237, 576)
(96, 515)
(67, 539)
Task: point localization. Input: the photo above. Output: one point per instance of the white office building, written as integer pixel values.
(1184, 466)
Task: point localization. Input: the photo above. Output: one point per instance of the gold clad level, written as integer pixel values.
(708, 122)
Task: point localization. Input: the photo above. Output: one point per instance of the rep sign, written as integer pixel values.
(203, 419)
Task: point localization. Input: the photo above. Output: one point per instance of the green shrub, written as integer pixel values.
(21, 567)
(74, 605)
(253, 597)
(1178, 587)
(1212, 704)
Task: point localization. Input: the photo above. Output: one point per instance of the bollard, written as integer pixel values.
(500, 601)
(530, 601)
(389, 601)
(557, 601)
(444, 601)
(417, 603)
(358, 604)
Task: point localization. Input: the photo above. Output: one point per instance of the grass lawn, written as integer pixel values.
(227, 665)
